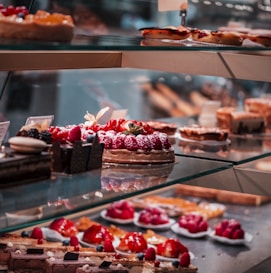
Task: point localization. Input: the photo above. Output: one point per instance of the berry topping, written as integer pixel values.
(230, 229)
(121, 210)
(150, 254)
(66, 242)
(25, 233)
(97, 234)
(185, 259)
(140, 256)
(133, 242)
(143, 142)
(153, 216)
(64, 226)
(99, 248)
(130, 143)
(175, 263)
(118, 141)
(193, 223)
(36, 233)
(155, 141)
(171, 248)
(75, 134)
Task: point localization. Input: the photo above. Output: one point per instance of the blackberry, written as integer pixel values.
(46, 136)
(33, 132)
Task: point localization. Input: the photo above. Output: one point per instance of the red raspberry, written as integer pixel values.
(185, 260)
(164, 140)
(107, 140)
(203, 226)
(150, 254)
(155, 141)
(130, 143)
(118, 141)
(36, 233)
(238, 234)
(143, 142)
(75, 134)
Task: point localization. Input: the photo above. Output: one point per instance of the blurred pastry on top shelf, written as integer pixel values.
(164, 127)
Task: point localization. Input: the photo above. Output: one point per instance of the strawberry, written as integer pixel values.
(185, 260)
(203, 226)
(36, 233)
(64, 226)
(228, 232)
(75, 134)
(150, 254)
(192, 226)
(219, 230)
(108, 246)
(130, 143)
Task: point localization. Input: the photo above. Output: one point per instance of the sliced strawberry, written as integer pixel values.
(150, 254)
(36, 233)
(64, 226)
(185, 260)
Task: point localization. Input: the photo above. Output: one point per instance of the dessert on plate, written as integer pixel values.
(132, 242)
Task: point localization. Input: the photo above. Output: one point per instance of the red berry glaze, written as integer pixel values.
(64, 226)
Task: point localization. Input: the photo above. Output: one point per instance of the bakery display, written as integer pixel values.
(18, 23)
(200, 133)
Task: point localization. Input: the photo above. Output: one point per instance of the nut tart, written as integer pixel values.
(170, 32)
(217, 37)
(41, 26)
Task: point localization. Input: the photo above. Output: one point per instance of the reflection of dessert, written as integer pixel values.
(132, 177)
(200, 133)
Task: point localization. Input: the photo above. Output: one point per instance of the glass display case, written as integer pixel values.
(107, 64)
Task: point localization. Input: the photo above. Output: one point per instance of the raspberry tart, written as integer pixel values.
(153, 217)
(191, 225)
(121, 212)
(132, 142)
(132, 243)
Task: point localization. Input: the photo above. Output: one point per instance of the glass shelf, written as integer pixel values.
(34, 203)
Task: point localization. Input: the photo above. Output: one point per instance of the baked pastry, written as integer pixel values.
(217, 37)
(42, 26)
(223, 117)
(200, 133)
(261, 106)
(260, 36)
(162, 126)
(170, 32)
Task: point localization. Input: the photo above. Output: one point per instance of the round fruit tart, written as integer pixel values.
(153, 217)
(230, 231)
(132, 242)
(121, 212)
(171, 249)
(96, 235)
(60, 229)
(191, 225)
(132, 142)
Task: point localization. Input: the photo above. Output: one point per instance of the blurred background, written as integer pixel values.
(68, 94)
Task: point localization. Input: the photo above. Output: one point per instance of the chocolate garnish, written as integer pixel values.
(105, 264)
(35, 251)
(3, 246)
(71, 256)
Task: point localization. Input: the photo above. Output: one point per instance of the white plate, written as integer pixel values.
(115, 242)
(156, 227)
(52, 235)
(248, 238)
(183, 231)
(168, 259)
(116, 220)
